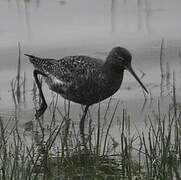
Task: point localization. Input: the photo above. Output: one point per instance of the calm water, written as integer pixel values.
(59, 28)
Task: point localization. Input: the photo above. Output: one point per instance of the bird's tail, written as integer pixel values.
(36, 61)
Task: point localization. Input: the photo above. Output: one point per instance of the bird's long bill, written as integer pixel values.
(136, 77)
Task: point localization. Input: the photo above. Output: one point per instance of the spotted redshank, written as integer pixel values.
(82, 79)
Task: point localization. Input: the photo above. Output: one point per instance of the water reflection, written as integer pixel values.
(113, 14)
(144, 13)
(179, 56)
(148, 16)
(126, 19)
(58, 28)
(139, 14)
(27, 18)
(162, 70)
(62, 3)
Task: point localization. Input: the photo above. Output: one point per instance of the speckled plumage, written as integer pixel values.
(84, 79)
(81, 79)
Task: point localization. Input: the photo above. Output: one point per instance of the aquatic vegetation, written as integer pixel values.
(18, 84)
(119, 143)
(55, 150)
(59, 154)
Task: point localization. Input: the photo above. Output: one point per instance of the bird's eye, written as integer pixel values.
(123, 61)
(121, 58)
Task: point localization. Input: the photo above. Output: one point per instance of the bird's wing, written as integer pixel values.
(71, 72)
(75, 63)
(42, 64)
(72, 67)
(68, 69)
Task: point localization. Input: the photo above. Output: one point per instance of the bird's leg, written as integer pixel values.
(43, 105)
(82, 121)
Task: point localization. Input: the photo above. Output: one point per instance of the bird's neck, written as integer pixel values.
(113, 75)
(112, 68)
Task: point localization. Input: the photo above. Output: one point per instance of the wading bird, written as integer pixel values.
(82, 79)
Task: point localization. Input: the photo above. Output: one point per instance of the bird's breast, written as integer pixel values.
(88, 89)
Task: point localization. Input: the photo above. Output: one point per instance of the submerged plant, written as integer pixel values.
(18, 84)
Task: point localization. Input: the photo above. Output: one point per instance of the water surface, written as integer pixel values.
(60, 28)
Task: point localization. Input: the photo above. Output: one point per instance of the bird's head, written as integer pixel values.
(119, 59)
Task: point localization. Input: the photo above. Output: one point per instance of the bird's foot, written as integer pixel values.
(83, 139)
(40, 111)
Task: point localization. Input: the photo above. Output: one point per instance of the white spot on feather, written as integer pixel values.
(57, 81)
